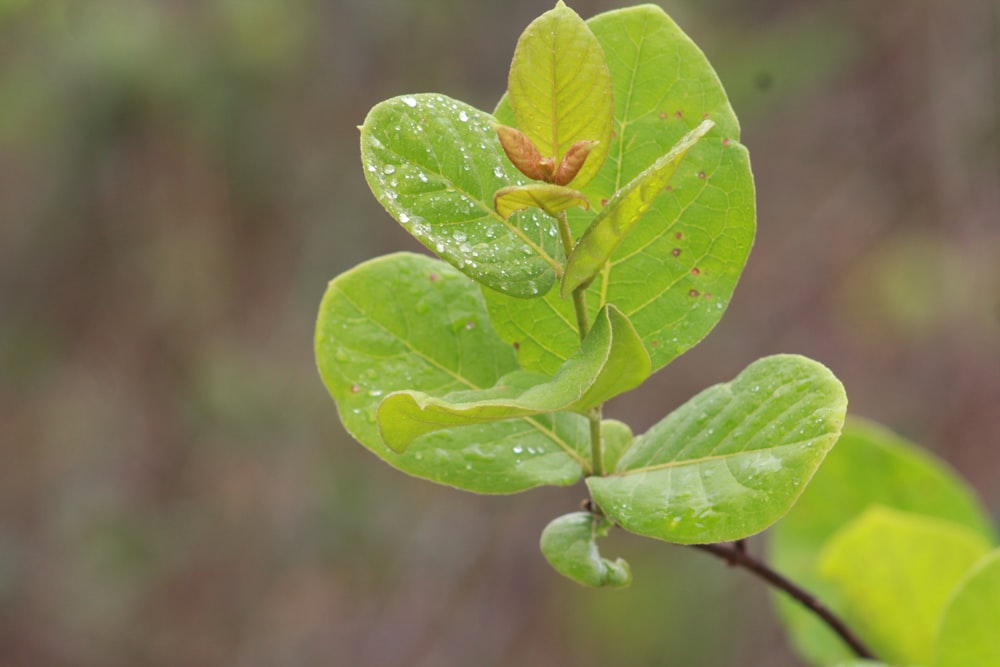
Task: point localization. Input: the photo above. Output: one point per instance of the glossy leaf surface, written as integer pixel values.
(869, 466)
(732, 460)
(569, 543)
(621, 214)
(406, 321)
(674, 273)
(435, 163)
(895, 571)
(968, 634)
(611, 361)
(560, 89)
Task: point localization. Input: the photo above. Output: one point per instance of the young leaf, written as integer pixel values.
(869, 466)
(621, 214)
(967, 633)
(569, 543)
(560, 89)
(550, 198)
(674, 273)
(611, 361)
(895, 572)
(732, 460)
(406, 321)
(434, 163)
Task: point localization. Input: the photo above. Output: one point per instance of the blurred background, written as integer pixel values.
(180, 178)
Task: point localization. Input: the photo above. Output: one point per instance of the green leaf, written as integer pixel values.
(674, 273)
(550, 198)
(435, 163)
(732, 460)
(621, 214)
(869, 466)
(569, 543)
(406, 321)
(895, 571)
(967, 634)
(617, 437)
(611, 361)
(560, 88)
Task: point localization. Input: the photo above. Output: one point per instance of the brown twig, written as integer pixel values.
(736, 555)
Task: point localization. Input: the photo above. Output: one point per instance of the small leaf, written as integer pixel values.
(623, 212)
(406, 321)
(611, 361)
(894, 572)
(572, 162)
(967, 633)
(869, 466)
(732, 460)
(569, 543)
(550, 198)
(434, 163)
(523, 153)
(560, 88)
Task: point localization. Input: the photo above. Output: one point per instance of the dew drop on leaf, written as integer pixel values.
(498, 172)
(389, 169)
(410, 101)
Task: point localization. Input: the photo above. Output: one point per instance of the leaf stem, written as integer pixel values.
(736, 555)
(583, 326)
(596, 442)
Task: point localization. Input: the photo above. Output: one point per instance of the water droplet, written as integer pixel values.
(498, 172)
(464, 117)
(404, 218)
(410, 101)
(371, 168)
(470, 325)
(422, 176)
(375, 392)
(518, 449)
(439, 247)
(389, 169)
(459, 237)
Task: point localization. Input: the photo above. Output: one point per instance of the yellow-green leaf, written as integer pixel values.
(560, 88)
(550, 198)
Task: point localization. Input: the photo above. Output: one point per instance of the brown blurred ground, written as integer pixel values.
(178, 181)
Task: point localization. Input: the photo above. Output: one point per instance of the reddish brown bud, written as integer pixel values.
(572, 161)
(524, 154)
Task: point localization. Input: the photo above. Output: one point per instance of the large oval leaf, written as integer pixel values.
(610, 361)
(895, 571)
(406, 321)
(435, 163)
(560, 89)
(732, 460)
(674, 273)
(869, 466)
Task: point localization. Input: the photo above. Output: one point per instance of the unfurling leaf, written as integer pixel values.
(523, 153)
(550, 198)
(573, 161)
(569, 543)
